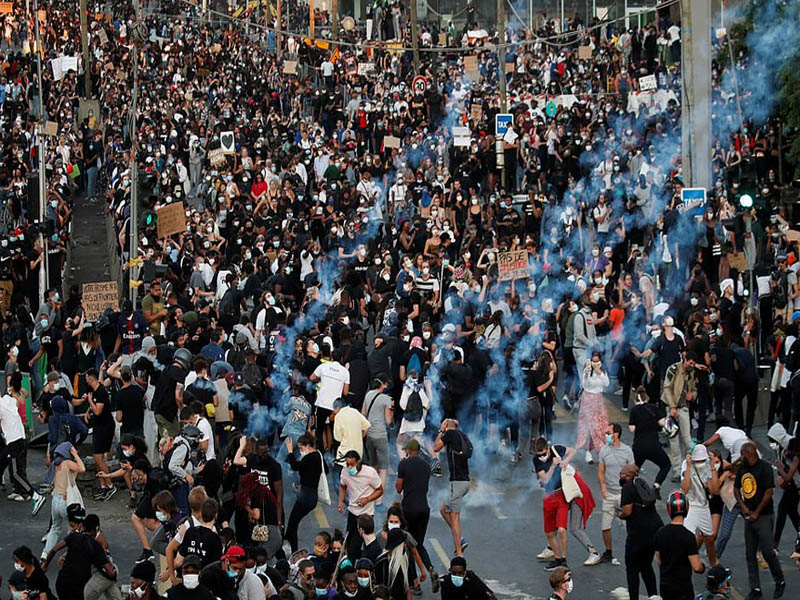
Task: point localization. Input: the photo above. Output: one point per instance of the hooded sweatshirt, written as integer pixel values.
(777, 433)
(63, 426)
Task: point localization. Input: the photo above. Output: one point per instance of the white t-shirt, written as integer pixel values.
(207, 434)
(733, 439)
(327, 68)
(10, 420)
(332, 379)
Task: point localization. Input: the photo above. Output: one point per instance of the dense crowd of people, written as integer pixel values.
(339, 304)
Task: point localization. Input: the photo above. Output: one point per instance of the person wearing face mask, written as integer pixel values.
(561, 583)
(349, 586)
(82, 552)
(461, 583)
(786, 462)
(36, 582)
(142, 582)
(229, 578)
(698, 480)
(361, 484)
(614, 455)
(364, 573)
(190, 586)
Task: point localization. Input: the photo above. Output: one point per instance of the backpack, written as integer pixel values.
(466, 445)
(414, 364)
(174, 480)
(646, 493)
(227, 304)
(792, 361)
(780, 294)
(414, 407)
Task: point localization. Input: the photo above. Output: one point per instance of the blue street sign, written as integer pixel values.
(502, 121)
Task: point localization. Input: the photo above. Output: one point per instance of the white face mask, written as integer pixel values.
(569, 586)
(773, 446)
(191, 581)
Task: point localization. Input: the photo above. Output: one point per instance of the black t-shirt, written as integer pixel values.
(753, 482)
(203, 542)
(130, 400)
(644, 521)
(668, 352)
(544, 465)
(104, 419)
(457, 461)
(372, 550)
(416, 474)
(179, 592)
(37, 584)
(164, 403)
(269, 472)
(77, 561)
(675, 544)
(645, 417)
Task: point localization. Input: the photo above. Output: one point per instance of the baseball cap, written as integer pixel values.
(238, 379)
(235, 553)
(146, 571)
(716, 577)
(192, 560)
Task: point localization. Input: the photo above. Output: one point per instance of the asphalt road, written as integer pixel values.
(502, 520)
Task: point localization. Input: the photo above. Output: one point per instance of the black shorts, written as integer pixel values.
(102, 438)
(323, 414)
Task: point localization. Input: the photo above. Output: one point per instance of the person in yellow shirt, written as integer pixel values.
(349, 429)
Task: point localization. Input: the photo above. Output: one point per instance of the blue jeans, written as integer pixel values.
(60, 526)
(91, 181)
(726, 528)
(180, 493)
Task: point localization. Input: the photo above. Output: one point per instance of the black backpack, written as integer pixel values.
(646, 493)
(466, 445)
(414, 407)
(792, 361)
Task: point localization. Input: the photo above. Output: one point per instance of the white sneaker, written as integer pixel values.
(546, 554)
(589, 457)
(592, 560)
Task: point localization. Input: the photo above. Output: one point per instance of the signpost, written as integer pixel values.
(420, 84)
(99, 296)
(512, 265)
(502, 121)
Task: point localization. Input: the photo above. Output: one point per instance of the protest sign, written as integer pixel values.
(290, 67)
(391, 141)
(365, 68)
(216, 157)
(471, 64)
(51, 128)
(6, 8)
(585, 53)
(6, 289)
(227, 142)
(647, 83)
(476, 112)
(512, 265)
(442, 38)
(170, 219)
(99, 296)
(462, 137)
(102, 36)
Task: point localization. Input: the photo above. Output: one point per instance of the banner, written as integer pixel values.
(391, 141)
(99, 296)
(171, 219)
(512, 265)
(216, 157)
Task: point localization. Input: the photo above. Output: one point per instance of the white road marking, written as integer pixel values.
(443, 558)
(322, 520)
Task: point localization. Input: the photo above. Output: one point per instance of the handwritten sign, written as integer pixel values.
(216, 157)
(442, 38)
(99, 296)
(391, 141)
(471, 64)
(736, 260)
(42, 14)
(584, 53)
(102, 36)
(6, 8)
(476, 112)
(6, 291)
(512, 265)
(365, 68)
(290, 67)
(647, 83)
(51, 128)
(170, 219)
(510, 67)
(462, 137)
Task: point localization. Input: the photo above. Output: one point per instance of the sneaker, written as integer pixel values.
(15, 497)
(589, 458)
(416, 590)
(99, 493)
(779, 587)
(38, 503)
(553, 564)
(109, 492)
(546, 554)
(436, 468)
(592, 560)
(464, 544)
(567, 403)
(754, 594)
(515, 458)
(435, 582)
(145, 556)
(606, 557)
(615, 562)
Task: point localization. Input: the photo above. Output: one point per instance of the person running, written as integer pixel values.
(361, 485)
(311, 468)
(15, 454)
(459, 451)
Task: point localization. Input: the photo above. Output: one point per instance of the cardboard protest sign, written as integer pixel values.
(6, 289)
(462, 137)
(391, 141)
(442, 38)
(512, 265)
(216, 157)
(170, 219)
(510, 67)
(51, 128)
(102, 36)
(290, 67)
(99, 296)
(476, 112)
(584, 52)
(737, 261)
(471, 64)
(792, 235)
(365, 68)
(6, 8)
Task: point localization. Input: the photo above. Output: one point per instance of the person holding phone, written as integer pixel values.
(592, 418)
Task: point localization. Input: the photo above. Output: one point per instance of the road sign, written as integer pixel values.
(502, 121)
(420, 84)
(693, 196)
(551, 109)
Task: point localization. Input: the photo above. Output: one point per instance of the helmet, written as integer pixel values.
(677, 504)
(191, 433)
(671, 427)
(183, 357)
(716, 577)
